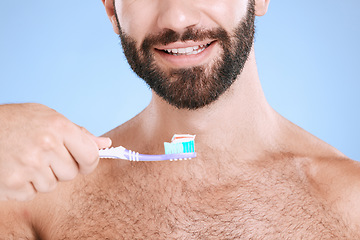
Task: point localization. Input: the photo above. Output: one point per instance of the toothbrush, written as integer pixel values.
(181, 147)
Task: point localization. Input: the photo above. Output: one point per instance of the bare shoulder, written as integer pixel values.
(31, 219)
(337, 180)
(15, 221)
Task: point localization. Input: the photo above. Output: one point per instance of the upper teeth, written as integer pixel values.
(187, 51)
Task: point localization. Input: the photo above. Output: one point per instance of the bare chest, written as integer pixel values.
(262, 206)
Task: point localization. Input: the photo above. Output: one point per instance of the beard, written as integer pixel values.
(193, 87)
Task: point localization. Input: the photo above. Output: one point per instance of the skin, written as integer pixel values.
(257, 175)
(39, 148)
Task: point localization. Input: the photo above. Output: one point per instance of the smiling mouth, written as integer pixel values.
(186, 51)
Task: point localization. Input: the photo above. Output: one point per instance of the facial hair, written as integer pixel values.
(194, 87)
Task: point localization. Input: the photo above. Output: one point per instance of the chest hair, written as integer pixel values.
(261, 203)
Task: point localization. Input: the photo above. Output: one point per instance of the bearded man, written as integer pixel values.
(256, 175)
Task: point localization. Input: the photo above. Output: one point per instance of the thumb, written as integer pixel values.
(101, 142)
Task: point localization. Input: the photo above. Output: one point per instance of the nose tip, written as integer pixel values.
(178, 15)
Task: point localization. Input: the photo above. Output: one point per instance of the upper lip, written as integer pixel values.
(186, 44)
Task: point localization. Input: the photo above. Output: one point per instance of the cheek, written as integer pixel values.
(225, 13)
(136, 17)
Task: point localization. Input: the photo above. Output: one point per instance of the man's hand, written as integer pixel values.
(40, 147)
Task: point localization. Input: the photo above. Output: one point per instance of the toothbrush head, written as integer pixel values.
(180, 143)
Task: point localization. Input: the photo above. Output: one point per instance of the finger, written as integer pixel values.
(101, 142)
(83, 149)
(63, 165)
(26, 193)
(45, 180)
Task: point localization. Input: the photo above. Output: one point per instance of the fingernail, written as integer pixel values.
(107, 141)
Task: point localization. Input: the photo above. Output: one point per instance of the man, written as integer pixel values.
(256, 175)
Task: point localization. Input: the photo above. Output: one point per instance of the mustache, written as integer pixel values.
(169, 36)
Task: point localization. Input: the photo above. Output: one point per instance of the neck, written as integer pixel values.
(240, 118)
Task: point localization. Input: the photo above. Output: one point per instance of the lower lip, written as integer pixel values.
(183, 61)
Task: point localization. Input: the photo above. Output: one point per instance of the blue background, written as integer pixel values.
(65, 55)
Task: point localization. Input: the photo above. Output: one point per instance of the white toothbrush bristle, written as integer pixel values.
(179, 147)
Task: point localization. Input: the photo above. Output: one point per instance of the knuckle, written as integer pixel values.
(14, 182)
(32, 161)
(82, 129)
(47, 141)
(59, 122)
